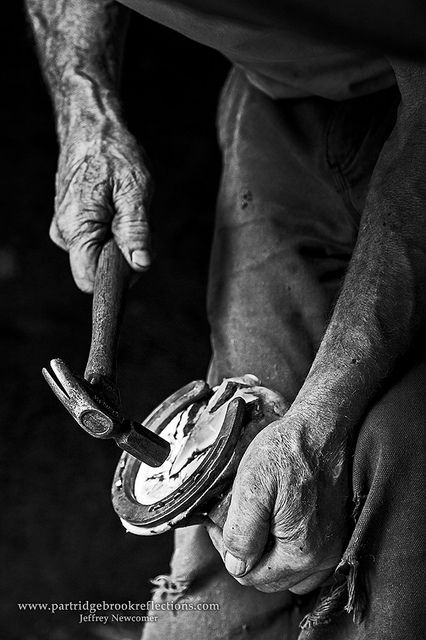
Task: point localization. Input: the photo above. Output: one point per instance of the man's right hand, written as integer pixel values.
(102, 185)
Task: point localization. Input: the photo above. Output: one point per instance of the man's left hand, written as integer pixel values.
(286, 526)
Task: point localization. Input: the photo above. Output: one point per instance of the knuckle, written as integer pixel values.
(128, 227)
(231, 540)
(135, 185)
(56, 235)
(53, 231)
(84, 230)
(131, 218)
(131, 183)
(255, 487)
(236, 542)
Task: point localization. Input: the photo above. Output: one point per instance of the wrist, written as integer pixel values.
(348, 370)
(316, 430)
(332, 401)
(338, 394)
(84, 108)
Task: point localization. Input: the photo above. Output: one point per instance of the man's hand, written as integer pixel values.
(286, 526)
(102, 185)
(287, 520)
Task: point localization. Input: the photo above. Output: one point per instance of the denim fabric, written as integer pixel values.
(295, 176)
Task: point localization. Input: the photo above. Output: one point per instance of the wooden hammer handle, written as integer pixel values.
(111, 282)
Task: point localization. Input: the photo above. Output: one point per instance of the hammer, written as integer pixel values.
(94, 400)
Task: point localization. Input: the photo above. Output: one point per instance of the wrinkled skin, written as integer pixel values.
(291, 488)
(102, 186)
(286, 525)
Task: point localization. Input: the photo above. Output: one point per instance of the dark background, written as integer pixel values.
(61, 540)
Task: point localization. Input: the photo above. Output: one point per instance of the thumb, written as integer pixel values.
(246, 529)
(130, 228)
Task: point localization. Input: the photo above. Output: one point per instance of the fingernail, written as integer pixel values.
(141, 258)
(234, 565)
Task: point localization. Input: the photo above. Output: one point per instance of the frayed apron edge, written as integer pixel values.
(349, 595)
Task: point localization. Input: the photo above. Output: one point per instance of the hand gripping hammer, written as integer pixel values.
(94, 401)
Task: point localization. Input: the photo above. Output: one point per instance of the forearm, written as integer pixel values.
(383, 300)
(79, 45)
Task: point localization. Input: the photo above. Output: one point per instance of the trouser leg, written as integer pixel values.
(282, 242)
(198, 578)
(283, 238)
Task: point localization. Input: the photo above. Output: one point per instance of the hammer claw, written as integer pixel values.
(57, 390)
(69, 389)
(70, 382)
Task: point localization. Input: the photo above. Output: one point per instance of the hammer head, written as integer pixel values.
(88, 408)
(97, 415)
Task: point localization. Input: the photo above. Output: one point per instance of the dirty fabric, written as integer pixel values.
(282, 62)
(295, 177)
(384, 565)
(198, 577)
